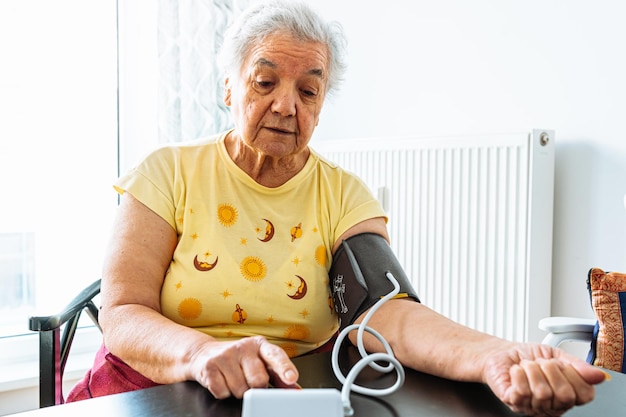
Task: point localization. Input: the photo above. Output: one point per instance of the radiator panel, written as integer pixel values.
(470, 219)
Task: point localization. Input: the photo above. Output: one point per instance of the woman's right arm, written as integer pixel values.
(139, 254)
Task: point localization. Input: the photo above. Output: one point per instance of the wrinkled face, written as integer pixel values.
(277, 97)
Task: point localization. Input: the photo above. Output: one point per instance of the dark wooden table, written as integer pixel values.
(421, 395)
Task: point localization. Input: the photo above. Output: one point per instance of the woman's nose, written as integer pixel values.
(284, 102)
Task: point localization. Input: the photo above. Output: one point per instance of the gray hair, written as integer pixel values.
(266, 18)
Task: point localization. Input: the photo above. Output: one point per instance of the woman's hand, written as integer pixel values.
(231, 368)
(539, 380)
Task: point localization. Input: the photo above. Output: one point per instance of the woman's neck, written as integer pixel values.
(266, 170)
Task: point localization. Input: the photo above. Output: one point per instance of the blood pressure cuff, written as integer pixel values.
(358, 278)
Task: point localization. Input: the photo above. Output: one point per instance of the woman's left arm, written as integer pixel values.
(530, 378)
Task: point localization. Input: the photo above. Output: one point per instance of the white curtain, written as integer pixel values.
(190, 87)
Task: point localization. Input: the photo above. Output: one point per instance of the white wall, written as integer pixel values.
(458, 66)
(25, 398)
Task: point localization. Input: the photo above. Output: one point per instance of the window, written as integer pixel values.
(77, 107)
(58, 151)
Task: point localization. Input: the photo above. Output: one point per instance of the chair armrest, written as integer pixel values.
(55, 343)
(563, 329)
(566, 324)
(55, 321)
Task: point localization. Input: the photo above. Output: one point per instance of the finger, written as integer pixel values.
(283, 372)
(542, 394)
(228, 365)
(589, 373)
(583, 391)
(561, 378)
(255, 373)
(216, 384)
(235, 380)
(519, 395)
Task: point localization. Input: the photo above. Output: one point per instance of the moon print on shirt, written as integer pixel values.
(269, 231)
(204, 266)
(301, 291)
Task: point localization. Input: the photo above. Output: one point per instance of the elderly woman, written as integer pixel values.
(218, 265)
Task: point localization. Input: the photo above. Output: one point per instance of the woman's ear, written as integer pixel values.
(227, 92)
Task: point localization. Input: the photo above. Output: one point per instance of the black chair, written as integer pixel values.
(56, 333)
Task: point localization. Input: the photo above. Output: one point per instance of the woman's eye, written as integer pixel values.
(309, 93)
(264, 84)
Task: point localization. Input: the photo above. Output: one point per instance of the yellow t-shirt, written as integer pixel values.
(250, 260)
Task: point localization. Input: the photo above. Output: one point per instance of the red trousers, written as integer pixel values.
(109, 375)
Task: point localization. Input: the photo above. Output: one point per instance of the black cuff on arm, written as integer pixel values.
(358, 279)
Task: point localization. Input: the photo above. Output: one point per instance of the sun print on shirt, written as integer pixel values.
(320, 256)
(253, 268)
(227, 215)
(291, 349)
(297, 332)
(190, 309)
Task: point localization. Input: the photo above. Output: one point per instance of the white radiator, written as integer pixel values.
(470, 219)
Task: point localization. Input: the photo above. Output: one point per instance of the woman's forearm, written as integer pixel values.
(425, 340)
(150, 343)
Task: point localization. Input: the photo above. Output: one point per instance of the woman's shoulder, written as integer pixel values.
(331, 167)
(324, 161)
